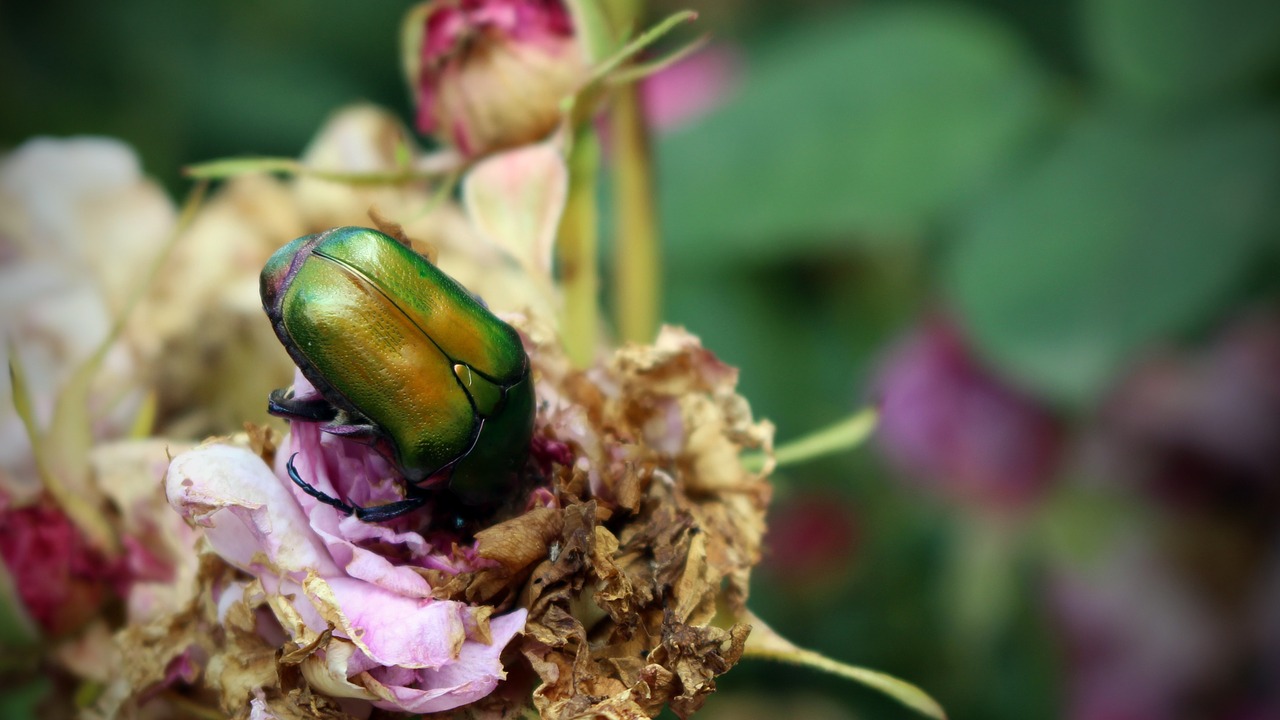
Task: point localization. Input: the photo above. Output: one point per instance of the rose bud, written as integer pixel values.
(491, 74)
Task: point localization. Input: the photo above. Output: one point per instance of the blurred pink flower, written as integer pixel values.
(60, 578)
(393, 643)
(492, 74)
(692, 87)
(1140, 642)
(811, 539)
(1205, 426)
(951, 423)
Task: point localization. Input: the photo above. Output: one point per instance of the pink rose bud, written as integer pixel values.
(491, 74)
(954, 425)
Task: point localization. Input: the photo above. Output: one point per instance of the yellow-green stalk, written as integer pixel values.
(577, 250)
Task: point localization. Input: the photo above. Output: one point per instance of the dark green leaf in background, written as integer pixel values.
(868, 123)
(1181, 48)
(1129, 231)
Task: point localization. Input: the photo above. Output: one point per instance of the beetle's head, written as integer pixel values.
(278, 273)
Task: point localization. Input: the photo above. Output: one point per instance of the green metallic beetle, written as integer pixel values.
(404, 359)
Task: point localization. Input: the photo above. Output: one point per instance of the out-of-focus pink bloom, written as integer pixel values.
(60, 578)
(811, 539)
(950, 422)
(492, 74)
(1140, 643)
(393, 643)
(1204, 427)
(691, 87)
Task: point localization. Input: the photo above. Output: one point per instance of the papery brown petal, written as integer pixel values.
(149, 652)
(698, 655)
(521, 541)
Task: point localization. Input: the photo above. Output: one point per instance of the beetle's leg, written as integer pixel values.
(321, 496)
(382, 513)
(377, 513)
(282, 404)
(363, 433)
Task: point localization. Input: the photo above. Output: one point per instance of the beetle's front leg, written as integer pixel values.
(363, 433)
(320, 495)
(282, 403)
(390, 511)
(378, 513)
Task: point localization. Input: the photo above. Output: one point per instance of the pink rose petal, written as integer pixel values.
(472, 676)
(233, 493)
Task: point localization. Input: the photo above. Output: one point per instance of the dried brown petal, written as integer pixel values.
(667, 526)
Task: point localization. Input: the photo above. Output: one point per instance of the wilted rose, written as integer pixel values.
(392, 643)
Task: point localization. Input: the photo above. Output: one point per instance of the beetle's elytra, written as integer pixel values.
(405, 359)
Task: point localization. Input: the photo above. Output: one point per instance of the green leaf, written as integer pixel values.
(1132, 229)
(866, 123)
(22, 702)
(1182, 48)
(17, 629)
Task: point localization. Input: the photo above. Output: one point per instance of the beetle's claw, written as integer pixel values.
(390, 511)
(317, 494)
(379, 513)
(282, 403)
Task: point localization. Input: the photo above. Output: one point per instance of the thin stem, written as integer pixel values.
(844, 435)
(637, 267)
(644, 40)
(640, 71)
(902, 691)
(232, 167)
(766, 644)
(577, 250)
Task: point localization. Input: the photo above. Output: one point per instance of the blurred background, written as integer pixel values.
(1043, 236)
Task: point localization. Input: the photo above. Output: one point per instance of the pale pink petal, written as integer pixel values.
(340, 532)
(397, 630)
(472, 676)
(516, 198)
(246, 510)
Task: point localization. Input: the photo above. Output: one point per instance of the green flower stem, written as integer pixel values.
(637, 266)
(844, 435)
(577, 250)
(233, 167)
(765, 643)
(640, 42)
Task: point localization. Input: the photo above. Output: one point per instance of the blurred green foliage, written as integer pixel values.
(1074, 180)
